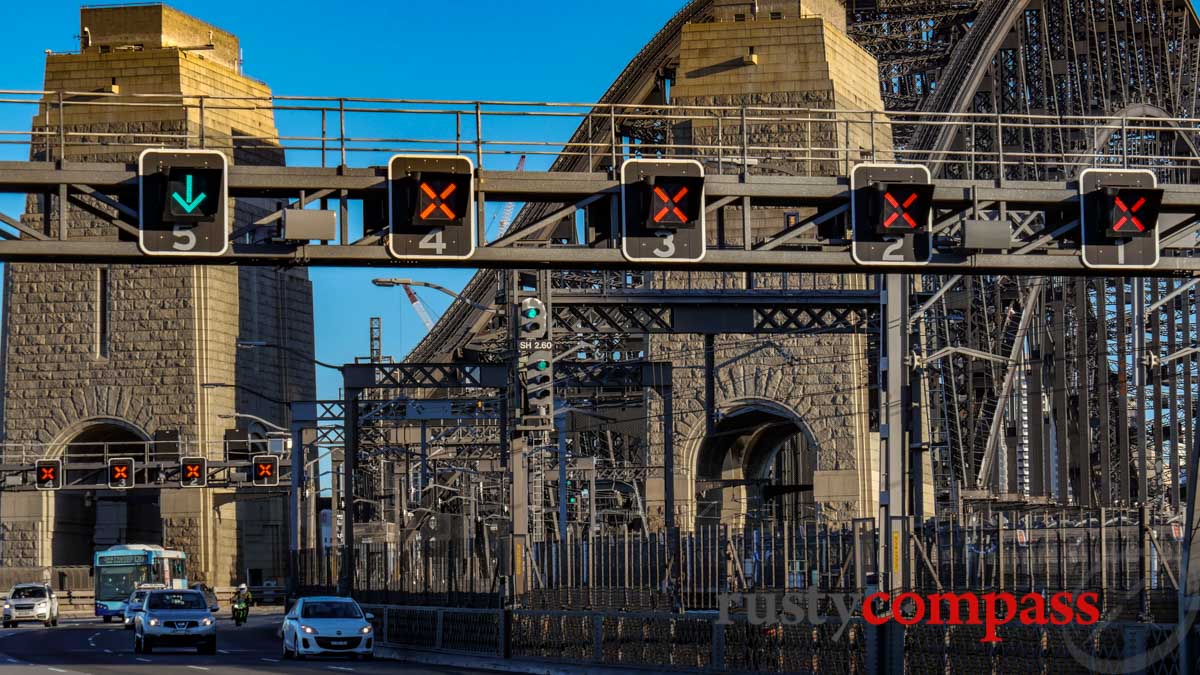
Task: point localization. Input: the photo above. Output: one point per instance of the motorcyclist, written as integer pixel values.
(242, 595)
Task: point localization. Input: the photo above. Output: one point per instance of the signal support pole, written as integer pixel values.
(894, 495)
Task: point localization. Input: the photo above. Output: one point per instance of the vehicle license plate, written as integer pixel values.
(339, 643)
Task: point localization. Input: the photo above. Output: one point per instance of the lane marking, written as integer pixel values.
(222, 651)
(197, 667)
(57, 670)
(143, 660)
(271, 660)
(348, 670)
(107, 651)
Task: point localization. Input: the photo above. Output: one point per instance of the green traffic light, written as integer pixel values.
(531, 313)
(541, 365)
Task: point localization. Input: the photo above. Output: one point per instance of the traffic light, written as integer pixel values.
(183, 202)
(265, 471)
(891, 207)
(48, 474)
(120, 473)
(538, 371)
(532, 319)
(1118, 215)
(431, 207)
(662, 210)
(193, 472)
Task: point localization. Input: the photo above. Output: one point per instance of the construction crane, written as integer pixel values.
(507, 214)
(419, 307)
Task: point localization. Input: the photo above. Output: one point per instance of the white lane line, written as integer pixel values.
(222, 651)
(143, 660)
(271, 660)
(197, 667)
(107, 651)
(343, 668)
(57, 670)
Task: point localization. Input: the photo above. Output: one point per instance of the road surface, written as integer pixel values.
(91, 646)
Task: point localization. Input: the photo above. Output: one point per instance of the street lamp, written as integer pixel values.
(250, 344)
(388, 283)
(256, 418)
(242, 387)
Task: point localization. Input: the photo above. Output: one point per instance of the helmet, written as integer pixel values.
(241, 587)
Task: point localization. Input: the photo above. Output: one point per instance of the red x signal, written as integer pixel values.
(665, 204)
(899, 210)
(1126, 214)
(265, 470)
(437, 201)
(47, 473)
(120, 472)
(191, 471)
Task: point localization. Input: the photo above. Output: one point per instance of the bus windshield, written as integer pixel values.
(118, 581)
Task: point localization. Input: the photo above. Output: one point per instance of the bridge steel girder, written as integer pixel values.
(827, 311)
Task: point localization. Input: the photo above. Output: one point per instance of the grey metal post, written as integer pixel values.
(1139, 381)
(894, 497)
(424, 482)
(560, 426)
(302, 414)
(349, 468)
(1187, 605)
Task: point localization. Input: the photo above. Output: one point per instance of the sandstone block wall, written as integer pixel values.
(169, 328)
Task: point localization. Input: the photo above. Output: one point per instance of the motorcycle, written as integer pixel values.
(241, 611)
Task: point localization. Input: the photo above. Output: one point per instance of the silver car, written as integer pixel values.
(31, 602)
(134, 604)
(174, 618)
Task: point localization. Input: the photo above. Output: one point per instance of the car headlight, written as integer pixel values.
(366, 630)
(43, 605)
(206, 621)
(308, 629)
(7, 606)
(153, 621)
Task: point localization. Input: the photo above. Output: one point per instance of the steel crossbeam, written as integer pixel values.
(1045, 251)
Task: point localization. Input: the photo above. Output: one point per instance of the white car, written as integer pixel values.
(327, 626)
(31, 602)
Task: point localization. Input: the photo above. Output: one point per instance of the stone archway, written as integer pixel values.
(756, 464)
(87, 520)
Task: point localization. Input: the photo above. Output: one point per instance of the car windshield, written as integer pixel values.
(330, 610)
(27, 592)
(137, 597)
(181, 600)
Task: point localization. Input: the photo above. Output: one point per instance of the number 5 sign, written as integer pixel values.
(182, 202)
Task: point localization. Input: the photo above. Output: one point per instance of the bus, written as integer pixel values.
(118, 570)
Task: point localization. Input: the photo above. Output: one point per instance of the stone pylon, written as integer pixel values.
(114, 359)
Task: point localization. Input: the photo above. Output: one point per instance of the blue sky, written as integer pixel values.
(516, 50)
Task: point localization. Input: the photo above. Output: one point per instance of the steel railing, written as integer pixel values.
(728, 139)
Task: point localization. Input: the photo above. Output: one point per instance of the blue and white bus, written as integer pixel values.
(118, 570)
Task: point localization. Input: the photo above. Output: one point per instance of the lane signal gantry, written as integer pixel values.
(264, 470)
(193, 472)
(891, 208)
(1118, 216)
(431, 207)
(662, 210)
(48, 474)
(183, 202)
(121, 473)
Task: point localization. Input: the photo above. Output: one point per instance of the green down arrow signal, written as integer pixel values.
(188, 203)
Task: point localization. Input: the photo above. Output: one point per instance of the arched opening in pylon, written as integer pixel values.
(87, 520)
(756, 465)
